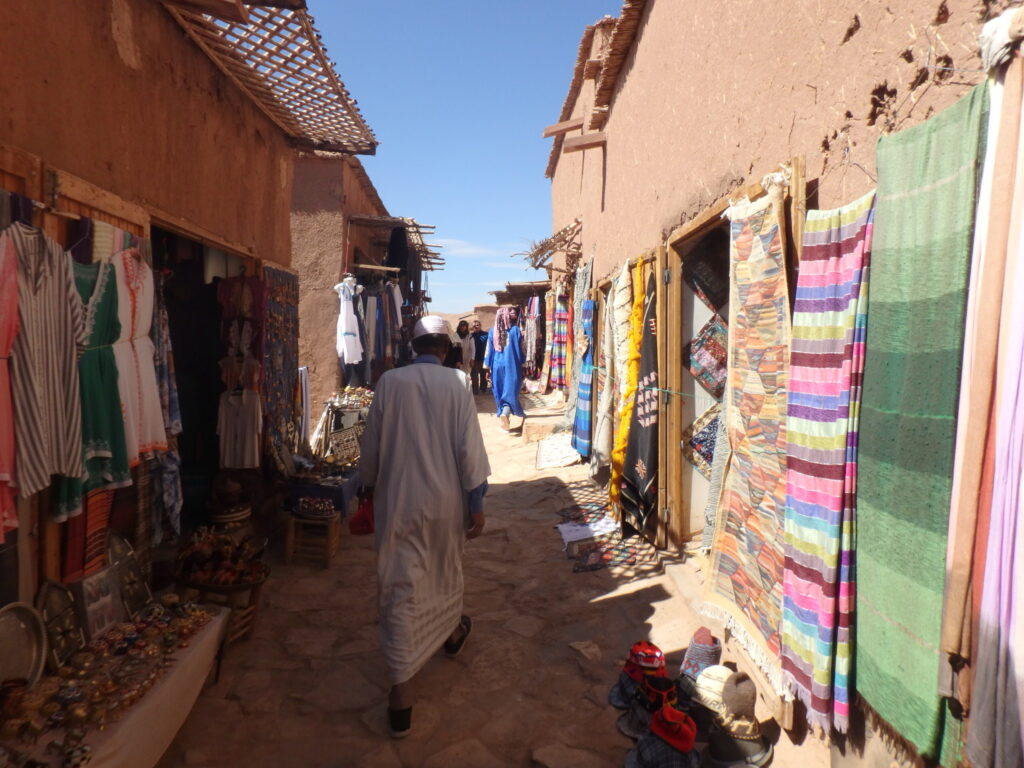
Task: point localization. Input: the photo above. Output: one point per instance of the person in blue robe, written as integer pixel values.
(504, 358)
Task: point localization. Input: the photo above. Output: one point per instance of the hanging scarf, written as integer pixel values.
(499, 333)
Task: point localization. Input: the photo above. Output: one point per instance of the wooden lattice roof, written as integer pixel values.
(566, 240)
(429, 255)
(275, 56)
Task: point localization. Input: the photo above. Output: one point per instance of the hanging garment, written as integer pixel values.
(560, 338)
(506, 367)
(371, 327)
(629, 376)
(639, 495)
(584, 404)
(8, 331)
(350, 351)
(616, 310)
(239, 426)
(103, 432)
(44, 369)
(745, 585)
(280, 368)
(164, 361)
(920, 256)
(396, 309)
(977, 379)
(577, 340)
(144, 431)
(422, 452)
(825, 372)
(243, 309)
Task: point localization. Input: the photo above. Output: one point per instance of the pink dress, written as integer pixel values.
(144, 431)
(8, 330)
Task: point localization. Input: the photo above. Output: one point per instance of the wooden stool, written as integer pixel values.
(243, 602)
(313, 539)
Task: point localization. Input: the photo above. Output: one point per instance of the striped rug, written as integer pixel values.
(560, 335)
(825, 374)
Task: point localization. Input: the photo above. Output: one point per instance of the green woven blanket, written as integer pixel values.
(927, 178)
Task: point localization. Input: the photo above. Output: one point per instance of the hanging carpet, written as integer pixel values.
(708, 356)
(919, 263)
(745, 585)
(698, 441)
(825, 375)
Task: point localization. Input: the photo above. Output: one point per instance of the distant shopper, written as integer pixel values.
(424, 458)
(505, 359)
(478, 373)
(466, 346)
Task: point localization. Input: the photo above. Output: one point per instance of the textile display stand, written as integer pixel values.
(140, 738)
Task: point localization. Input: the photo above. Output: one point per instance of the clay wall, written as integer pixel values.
(113, 91)
(713, 96)
(327, 189)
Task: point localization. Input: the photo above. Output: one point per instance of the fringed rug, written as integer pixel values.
(556, 451)
(745, 584)
(919, 263)
(825, 374)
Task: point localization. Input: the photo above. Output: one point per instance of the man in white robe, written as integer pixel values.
(424, 457)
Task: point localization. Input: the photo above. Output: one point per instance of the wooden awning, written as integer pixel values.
(565, 240)
(429, 255)
(275, 56)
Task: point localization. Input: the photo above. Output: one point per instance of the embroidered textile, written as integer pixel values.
(281, 422)
(825, 374)
(698, 441)
(709, 356)
(746, 581)
(919, 262)
(706, 270)
(640, 468)
(629, 375)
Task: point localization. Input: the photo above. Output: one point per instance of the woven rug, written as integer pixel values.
(826, 369)
(919, 263)
(745, 584)
(584, 398)
(556, 451)
(560, 337)
(594, 557)
(698, 441)
(628, 376)
(706, 270)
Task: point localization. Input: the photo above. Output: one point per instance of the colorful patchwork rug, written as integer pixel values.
(584, 397)
(826, 367)
(593, 557)
(924, 214)
(709, 356)
(745, 585)
(560, 336)
(698, 442)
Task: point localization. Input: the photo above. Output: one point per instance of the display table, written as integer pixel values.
(340, 494)
(140, 738)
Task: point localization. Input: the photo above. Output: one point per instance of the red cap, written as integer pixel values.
(675, 728)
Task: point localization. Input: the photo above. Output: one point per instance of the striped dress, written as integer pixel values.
(44, 367)
(826, 368)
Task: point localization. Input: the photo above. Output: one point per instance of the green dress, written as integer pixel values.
(103, 444)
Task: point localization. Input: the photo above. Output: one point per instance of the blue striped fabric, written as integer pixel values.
(584, 405)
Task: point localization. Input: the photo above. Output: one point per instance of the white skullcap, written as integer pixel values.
(431, 324)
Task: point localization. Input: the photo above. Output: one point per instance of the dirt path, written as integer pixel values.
(309, 689)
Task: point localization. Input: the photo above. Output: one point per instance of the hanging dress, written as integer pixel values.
(44, 370)
(103, 439)
(8, 330)
(349, 348)
(135, 355)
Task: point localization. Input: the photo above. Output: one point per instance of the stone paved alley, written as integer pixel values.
(529, 689)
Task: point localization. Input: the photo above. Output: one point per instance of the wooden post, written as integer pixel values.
(678, 514)
(664, 398)
(797, 215)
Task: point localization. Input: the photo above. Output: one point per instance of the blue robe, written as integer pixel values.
(507, 372)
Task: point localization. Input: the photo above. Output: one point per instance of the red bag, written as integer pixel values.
(362, 521)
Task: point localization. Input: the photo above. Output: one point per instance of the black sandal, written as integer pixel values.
(453, 648)
(399, 722)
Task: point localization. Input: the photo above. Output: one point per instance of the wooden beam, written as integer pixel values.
(231, 10)
(65, 185)
(563, 127)
(708, 219)
(196, 232)
(586, 141)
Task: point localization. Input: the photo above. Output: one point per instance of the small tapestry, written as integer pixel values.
(698, 441)
(706, 269)
(709, 356)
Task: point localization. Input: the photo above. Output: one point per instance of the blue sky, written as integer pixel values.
(458, 92)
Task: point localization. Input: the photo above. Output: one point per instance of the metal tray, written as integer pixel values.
(23, 638)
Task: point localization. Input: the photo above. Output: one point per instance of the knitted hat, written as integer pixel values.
(644, 659)
(704, 651)
(652, 694)
(710, 683)
(739, 695)
(675, 728)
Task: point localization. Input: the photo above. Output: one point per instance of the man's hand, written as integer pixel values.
(478, 525)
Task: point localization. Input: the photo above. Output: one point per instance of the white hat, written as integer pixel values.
(431, 324)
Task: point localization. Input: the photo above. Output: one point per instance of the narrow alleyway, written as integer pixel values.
(530, 688)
